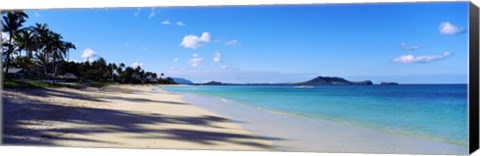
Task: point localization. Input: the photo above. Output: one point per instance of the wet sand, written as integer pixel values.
(295, 133)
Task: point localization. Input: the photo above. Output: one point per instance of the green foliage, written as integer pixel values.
(12, 25)
(24, 62)
(100, 71)
(45, 58)
(28, 84)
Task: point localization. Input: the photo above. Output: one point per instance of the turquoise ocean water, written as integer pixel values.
(437, 112)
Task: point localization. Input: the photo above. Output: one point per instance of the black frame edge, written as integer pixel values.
(1, 84)
(473, 91)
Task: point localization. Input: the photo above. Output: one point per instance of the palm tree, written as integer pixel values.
(142, 76)
(113, 68)
(25, 42)
(120, 68)
(42, 60)
(12, 24)
(137, 73)
(24, 62)
(49, 44)
(127, 75)
(61, 52)
(50, 47)
(99, 67)
(66, 47)
(58, 49)
(40, 33)
(154, 76)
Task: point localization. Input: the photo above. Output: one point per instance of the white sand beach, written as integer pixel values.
(118, 116)
(148, 117)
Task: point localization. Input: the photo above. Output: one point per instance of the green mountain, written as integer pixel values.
(333, 81)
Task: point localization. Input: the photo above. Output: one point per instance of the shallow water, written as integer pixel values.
(435, 112)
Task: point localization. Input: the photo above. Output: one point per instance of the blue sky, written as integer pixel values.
(403, 42)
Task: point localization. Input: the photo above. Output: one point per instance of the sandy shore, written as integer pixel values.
(119, 116)
(139, 117)
(295, 133)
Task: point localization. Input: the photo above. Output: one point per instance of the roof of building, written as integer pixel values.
(15, 70)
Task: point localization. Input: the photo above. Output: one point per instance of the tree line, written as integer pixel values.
(100, 71)
(43, 54)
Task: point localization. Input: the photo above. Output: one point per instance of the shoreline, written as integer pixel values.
(343, 137)
(147, 116)
(128, 116)
(345, 122)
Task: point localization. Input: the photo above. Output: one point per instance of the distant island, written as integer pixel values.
(213, 83)
(333, 81)
(389, 83)
(320, 80)
(178, 80)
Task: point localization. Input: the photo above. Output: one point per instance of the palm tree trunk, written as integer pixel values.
(30, 54)
(44, 65)
(36, 53)
(7, 60)
(47, 59)
(54, 69)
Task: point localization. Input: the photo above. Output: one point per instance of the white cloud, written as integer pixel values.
(175, 60)
(224, 67)
(88, 53)
(232, 43)
(194, 42)
(166, 22)
(447, 28)
(194, 62)
(152, 13)
(195, 55)
(407, 59)
(37, 14)
(217, 57)
(136, 64)
(409, 47)
(137, 13)
(205, 37)
(180, 24)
